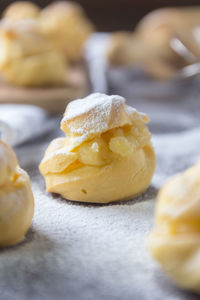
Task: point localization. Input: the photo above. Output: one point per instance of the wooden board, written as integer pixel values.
(53, 99)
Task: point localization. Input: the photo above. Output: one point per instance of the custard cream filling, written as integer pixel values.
(99, 151)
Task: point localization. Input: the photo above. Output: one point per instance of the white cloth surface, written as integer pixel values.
(86, 252)
(21, 123)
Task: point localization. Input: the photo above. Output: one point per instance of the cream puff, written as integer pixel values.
(16, 199)
(176, 23)
(27, 57)
(152, 52)
(21, 10)
(175, 240)
(151, 44)
(66, 24)
(106, 154)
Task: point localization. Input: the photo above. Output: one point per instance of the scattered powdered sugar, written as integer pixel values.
(175, 153)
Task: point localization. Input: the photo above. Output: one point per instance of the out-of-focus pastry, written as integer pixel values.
(27, 57)
(152, 52)
(151, 44)
(175, 240)
(16, 199)
(22, 10)
(67, 25)
(176, 22)
(170, 18)
(106, 155)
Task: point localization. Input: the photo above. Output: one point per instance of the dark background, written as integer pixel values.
(109, 15)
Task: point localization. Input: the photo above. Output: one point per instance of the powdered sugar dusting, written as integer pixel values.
(59, 152)
(97, 101)
(97, 113)
(131, 111)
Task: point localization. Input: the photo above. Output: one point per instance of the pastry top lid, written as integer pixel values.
(97, 113)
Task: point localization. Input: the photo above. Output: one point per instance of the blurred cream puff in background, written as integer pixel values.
(175, 240)
(38, 45)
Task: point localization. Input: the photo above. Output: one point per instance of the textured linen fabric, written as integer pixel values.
(22, 123)
(79, 251)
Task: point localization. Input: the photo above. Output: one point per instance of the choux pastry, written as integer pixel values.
(106, 155)
(22, 10)
(150, 45)
(176, 22)
(66, 24)
(175, 240)
(16, 199)
(27, 57)
(153, 53)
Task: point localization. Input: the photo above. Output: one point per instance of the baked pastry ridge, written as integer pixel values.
(175, 240)
(16, 199)
(106, 155)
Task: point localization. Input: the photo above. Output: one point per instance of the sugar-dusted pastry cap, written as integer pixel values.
(91, 116)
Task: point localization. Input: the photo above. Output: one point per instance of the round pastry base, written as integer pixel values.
(52, 98)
